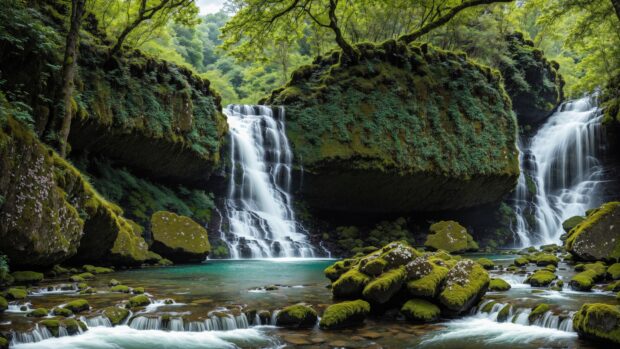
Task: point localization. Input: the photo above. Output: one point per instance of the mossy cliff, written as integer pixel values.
(51, 213)
(408, 128)
(597, 237)
(533, 83)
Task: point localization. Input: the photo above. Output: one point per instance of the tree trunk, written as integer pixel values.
(349, 53)
(69, 68)
(616, 4)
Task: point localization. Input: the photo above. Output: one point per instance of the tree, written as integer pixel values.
(616, 5)
(69, 68)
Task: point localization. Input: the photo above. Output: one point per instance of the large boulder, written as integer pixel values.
(51, 213)
(297, 316)
(407, 128)
(598, 236)
(450, 236)
(533, 83)
(179, 238)
(464, 286)
(600, 322)
(345, 314)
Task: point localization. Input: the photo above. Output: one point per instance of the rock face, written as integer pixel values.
(451, 237)
(407, 129)
(533, 83)
(598, 236)
(50, 213)
(179, 238)
(599, 322)
(447, 284)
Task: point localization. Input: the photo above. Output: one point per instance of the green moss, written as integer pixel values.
(116, 315)
(428, 285)
(466, 282)
(62, 312)
(174, 234)
(16, 293)
(84, 276)
(350, 284)
(39, 312)
(543, 259)
(4, 343)
(572, 222)
(521, 261)
(27, 277)
(590, 239)
(52, 325)
(486, 263)
(334, 271)
(297, 316)
(538, 311)
(382, 288)
(77, 306)
(598, 321)
(139, 301)
(344, 314)
(97, 270)
(614, 271)
(138, 290)
(541, 278)
(450, 236)
(497, 284)
(120, 288)
(374, 267)
(585, 280)
(420, 310)
(488, 307)
(504, 313)
(4, 305)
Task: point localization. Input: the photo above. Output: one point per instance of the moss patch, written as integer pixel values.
(345, 314)
(179, 238)
(381, 289)
(598, 236)
(465, 284)
(297, 316)
(598, 321)
(77, 306)
(450, 236)
(541, 278)
(497, 284)
(420, 310)
(116, 315)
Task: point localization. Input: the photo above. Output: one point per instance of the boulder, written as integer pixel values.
(27, 277)
(584, 281)
(138, 301)
(541, 278)
(465, 284)
(405, 128)
(600, 322)
(345, 314)
(572, 222)
(533, 83)
(297, 316)
(425, 277)
(613, 272)
(537, 312)
(77, 306)
(179, 238)
(498, 284)
(116, 315)
(381, 289)
(450, 236)
(420, 310)
(350, 284)
(598, 236)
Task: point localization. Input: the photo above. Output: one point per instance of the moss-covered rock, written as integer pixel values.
(598, 236)
(584, 281)
(504, 313)
(465, 284)
(345, 314)
(120, 288)
(543, 259)
(486, 263)
(521, 261)
(541, 278)
(27, 277)
(350, 284)
(533, 83)
(381, 289)
(53, 325)
(450, 236)
(599, 322)
(613, 272)
(420, 310)
(425, 277)
(403, 119)
(39, 312)
(16, 293)
(97, 270)
(297, 316)
(538, 311)
(64, 312)
(179, 238)
(497, 284)
(116, 315)
(4, 305)
(572, 222)
(334, 271)
(138, 301)
(77, 306)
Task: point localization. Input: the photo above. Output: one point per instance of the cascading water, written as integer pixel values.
(259, 208)
(560, 172)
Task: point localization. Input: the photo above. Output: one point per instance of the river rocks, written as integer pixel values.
(497, 284)
(386, 285)
(613, 272)
(533, 83)
(541, 278)
(62, 312)
(77, 306)
(425, 277)
(544, 259)
(138, 301)
(420, 310)
(52, 213)
(465, 284)
(179, 238)
(4, 305)
(572, 222)
(600, 322)
(345, 314)
(405, 119)
(585, 280)
(350, 284)
(297, 316)
(116, 315)
(27, 277)
(538, 311)
(598, 236)
(450, 236)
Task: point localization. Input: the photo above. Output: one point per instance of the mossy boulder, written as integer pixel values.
(381, 289)
(613, 272)
(138, 301)
(97, 270)
(497, 284)
(450, 236)
(297, 316)
(543, 259)
(599, 322)
(64, 312)
(4, 305)
(120, 288)
(401, 119)
(598, 236)
(77, 306)
(350, 284)
(420, 310)
(541, 278)
(538, 311)
(486, 263)
(39, 312)
(179, 238)
(504, 313)
(572, 222)
(116, 315)
(521, 261)
(53, 325)
(345, 314)
(27, 277)
(425, 277)
(463, 287)
(585, 280)
(533, 83)
(334, 271)
(15, 293)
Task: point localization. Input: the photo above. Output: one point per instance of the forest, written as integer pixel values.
(309, 174)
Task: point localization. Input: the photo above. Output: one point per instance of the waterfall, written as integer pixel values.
(520, 316)
(259, 205)
(560, 172)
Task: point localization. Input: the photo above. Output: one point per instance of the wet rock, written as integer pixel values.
(541, 278)
(598, 236)
(138, 301)
(450, 236)
(465, 284)
(345, 314)
(498, 284)
(116, 315)
(420, 310)
(600, 322)
(179, 238)
(297, 316)
(77, 306)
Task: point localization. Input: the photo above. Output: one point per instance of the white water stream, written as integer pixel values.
(560, 164)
